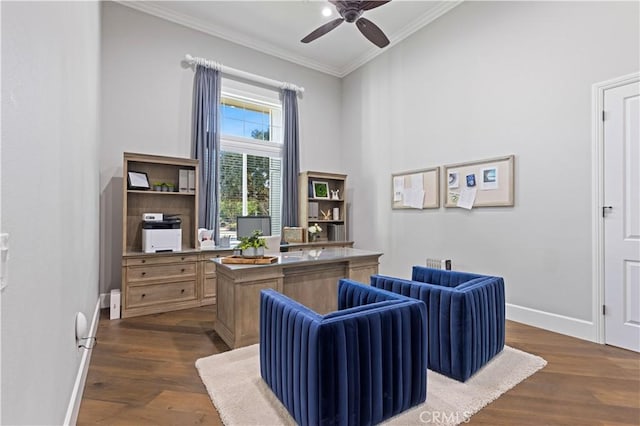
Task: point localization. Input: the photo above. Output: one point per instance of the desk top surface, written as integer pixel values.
(327, 255)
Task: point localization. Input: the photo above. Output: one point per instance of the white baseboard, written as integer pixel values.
(574, 327)
(78, 388)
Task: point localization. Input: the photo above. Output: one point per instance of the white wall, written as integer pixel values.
(146, 106)
(50, 58)
(490, 79)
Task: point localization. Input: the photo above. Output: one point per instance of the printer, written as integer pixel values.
(161, 233)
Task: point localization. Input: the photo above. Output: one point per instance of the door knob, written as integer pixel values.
(605, 208)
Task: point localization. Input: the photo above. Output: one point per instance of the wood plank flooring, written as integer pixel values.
(142, 372)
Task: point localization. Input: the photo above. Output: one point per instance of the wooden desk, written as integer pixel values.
(310, 277)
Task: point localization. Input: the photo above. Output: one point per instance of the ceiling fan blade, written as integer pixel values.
(372, 32)
(368, 5)
(322, 30)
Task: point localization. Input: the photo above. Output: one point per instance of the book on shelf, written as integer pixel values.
(335, 232)
(192, 181)
(313, 210)
(183, 180)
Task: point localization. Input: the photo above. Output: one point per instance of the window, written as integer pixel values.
(250, 155)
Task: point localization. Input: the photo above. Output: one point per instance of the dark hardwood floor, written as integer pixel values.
(142, 373)
(143, 370)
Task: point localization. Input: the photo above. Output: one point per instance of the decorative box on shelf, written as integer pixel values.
(205, 239)
(207, 245)
(293, 234)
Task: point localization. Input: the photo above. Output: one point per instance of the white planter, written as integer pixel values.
(253, 252)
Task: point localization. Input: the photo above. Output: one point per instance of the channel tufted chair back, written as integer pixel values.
(359, 365)
(466, 315)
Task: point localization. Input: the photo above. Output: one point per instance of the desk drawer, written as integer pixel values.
(161, 271)
(158, 259)
(144, 295)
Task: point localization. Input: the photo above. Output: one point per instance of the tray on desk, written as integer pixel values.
(250, 260)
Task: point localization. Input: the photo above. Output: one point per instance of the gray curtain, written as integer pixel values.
(291, 163)
(206, 144)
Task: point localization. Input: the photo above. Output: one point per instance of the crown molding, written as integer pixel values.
(239, 38)
(227, 34)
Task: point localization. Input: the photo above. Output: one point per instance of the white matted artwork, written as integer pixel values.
(489, 179)
(488, 182)
(453, 180)
(416, 189)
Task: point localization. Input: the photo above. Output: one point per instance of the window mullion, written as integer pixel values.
(245, 207)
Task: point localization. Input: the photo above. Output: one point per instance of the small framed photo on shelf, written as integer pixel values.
(320, 189)
(137, 180)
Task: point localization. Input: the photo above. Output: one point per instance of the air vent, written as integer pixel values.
(439, 264)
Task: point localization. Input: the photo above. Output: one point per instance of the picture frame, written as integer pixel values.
(320, 189)
(137, 180)
(491, 179)
(405, 184)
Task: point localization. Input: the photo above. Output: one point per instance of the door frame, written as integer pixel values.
(597, 199)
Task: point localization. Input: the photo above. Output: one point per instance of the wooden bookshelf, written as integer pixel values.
(335, 181)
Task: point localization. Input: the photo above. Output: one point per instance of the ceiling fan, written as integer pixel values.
(351, 11)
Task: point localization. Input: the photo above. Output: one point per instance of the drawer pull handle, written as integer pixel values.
(144, 260)
(182, 291)
(144, 273)
(182, 257)
(182, 270)
(143, 295)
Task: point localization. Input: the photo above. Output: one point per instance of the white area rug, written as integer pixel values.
(242, 398)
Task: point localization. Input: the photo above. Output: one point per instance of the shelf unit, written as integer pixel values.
(135, 202)
(160, 282)
(335, 181)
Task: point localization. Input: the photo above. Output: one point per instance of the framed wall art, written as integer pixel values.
(320, 189)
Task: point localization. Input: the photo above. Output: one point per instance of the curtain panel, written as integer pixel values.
(291, 160)
(206, 144)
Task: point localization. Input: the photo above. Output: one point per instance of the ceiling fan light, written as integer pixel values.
(351, 11)
(326, 11)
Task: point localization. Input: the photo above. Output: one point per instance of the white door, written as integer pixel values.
(621, 213)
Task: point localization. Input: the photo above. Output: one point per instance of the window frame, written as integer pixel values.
(273, 148)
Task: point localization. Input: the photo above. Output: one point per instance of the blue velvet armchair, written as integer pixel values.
(359, 365)
(466, 316)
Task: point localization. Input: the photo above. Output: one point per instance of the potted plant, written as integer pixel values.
(253, 246)
(157, 186)
(170, 187)
(314, 232)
